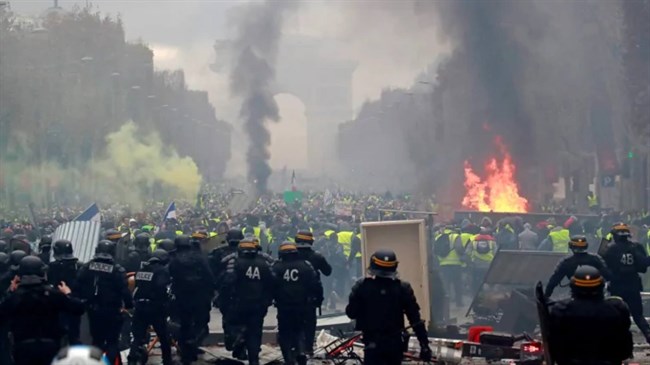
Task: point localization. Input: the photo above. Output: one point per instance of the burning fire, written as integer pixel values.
(499, 192)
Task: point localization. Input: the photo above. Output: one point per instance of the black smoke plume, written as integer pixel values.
(255, 47)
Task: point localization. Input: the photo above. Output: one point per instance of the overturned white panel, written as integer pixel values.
(408, 240)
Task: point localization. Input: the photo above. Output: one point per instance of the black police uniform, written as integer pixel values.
(378, 304)
(45, 249)
(320, 264)
(296, 289)
(5, 348)
(103, 287)
(196, 241)
(192, 286)
(219, 257)
(65, 268)
(151, 300)
(626, 260)
(138, 257)
(589, 329)
(33, 314)
(248, 286)
(568, 266)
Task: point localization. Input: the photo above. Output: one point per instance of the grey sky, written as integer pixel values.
(389, 40)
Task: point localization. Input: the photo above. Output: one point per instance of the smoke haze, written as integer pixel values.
(135, 163)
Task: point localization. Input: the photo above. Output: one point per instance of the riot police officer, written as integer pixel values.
(151, 300)
(103, 287)
(217, 261)
(378, 304)
(140, 254)
(5, 348)
(565, 268)
(588, 329)
(168, 245)
(4, 268)
(45, 249)
(121, 241)
(4, 246)
(233, 237)
(296, 288)
(65, 268)
(192, 285)
(33, 310)
(198, 237)
(247, 284)
(304, 241)
(14, 263)
(626, 259)
(19, 242)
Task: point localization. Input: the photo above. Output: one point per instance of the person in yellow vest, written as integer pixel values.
(559, 237)
(480, 251)
(449, 250)
(345, 240)
(354, 259)
(592, 202)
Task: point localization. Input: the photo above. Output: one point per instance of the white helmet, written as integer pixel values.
(80, 355)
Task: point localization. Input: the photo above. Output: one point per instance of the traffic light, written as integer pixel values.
(630, 154)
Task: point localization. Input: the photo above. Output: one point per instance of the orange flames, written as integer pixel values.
(499, 192)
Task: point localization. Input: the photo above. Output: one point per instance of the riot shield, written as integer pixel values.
(604, 245)
(544, 321)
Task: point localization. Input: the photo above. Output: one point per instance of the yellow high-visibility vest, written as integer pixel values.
(452, 258)
(486, 257)
(592, 201)
(560, 240)
(345, 240)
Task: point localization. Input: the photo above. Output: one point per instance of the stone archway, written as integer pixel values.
(289, 136)
(324, 85)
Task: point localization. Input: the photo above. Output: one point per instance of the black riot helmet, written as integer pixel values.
(200, 234)
(247, 247)
(45, 244)
(4, 263)
(142, 241)
(15, 257)
(578, 244)
(167, 245)
(63, 250)
(113, 235)
(105, 249)
(183, 243)
(4, 246)
(19, 242)
(287, 250)
(587, 283)
(31, 266)
(620, 232)
(383, 263)
(160, 255)
(234, 236)
(304, 239)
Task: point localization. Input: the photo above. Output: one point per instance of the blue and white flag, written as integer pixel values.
(90, 214)
(170, 213)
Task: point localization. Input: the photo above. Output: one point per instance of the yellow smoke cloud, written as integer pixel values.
(138, 167)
